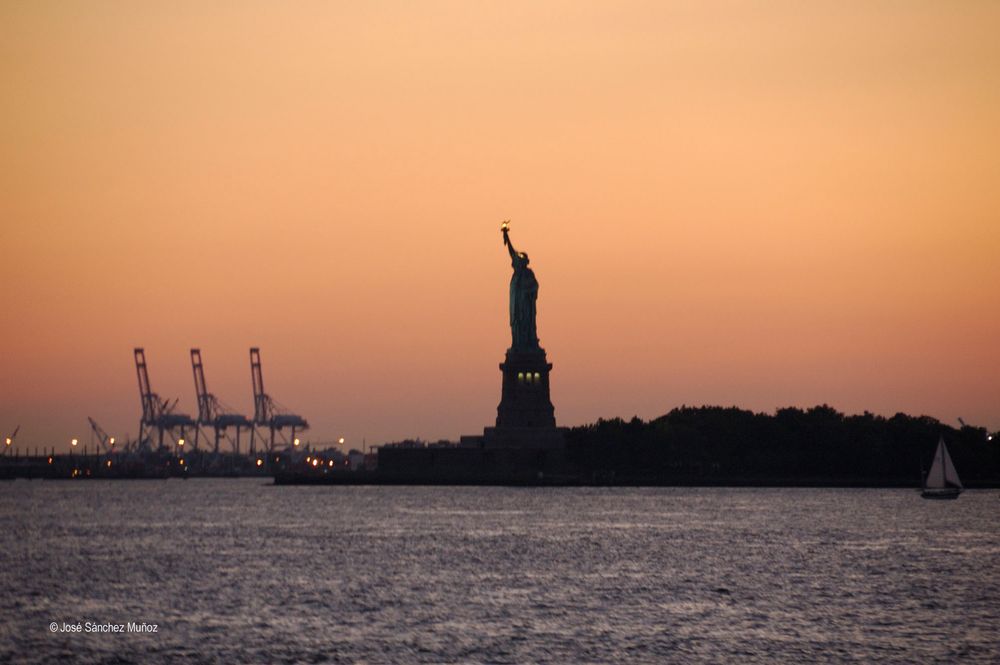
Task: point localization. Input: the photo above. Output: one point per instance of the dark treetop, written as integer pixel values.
(716, 445)
(523, 294)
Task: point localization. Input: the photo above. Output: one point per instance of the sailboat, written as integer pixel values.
(942, 480)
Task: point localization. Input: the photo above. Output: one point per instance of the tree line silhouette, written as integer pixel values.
(706, 445)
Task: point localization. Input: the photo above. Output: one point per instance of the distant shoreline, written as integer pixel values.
(776, 483)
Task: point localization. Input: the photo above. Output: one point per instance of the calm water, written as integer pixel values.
(236, 571)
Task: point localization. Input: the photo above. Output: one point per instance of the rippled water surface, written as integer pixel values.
(240, 571)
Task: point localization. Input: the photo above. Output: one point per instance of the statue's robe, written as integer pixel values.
(523, 295)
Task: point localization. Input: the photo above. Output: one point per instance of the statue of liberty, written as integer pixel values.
(523, 294)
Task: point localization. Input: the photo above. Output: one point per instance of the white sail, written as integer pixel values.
(942, 473)
(935, 477)
(950, 474)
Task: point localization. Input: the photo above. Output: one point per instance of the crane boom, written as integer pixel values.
(201, 389)
(260, 399)
(10, 439)
(106, 442)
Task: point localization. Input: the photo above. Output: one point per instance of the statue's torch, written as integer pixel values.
(504, 227)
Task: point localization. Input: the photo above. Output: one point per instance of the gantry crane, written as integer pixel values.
(267, 412)
(157, 413)
(211, 412)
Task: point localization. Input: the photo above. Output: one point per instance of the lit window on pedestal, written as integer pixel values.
(520, 377)
(538, 377)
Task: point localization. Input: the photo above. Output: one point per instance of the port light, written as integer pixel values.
(340, 440)
(73, 443)
(109, 464)
(315, 462)
(296, 442)
(180, 442)
(111, 441)
(9, 441)
(260, 462)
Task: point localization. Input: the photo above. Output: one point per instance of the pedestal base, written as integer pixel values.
(525, 417)
(540, 438)
(524, 396)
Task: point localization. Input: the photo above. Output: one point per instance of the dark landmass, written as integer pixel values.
(696, 446)
(689, 446)
(815, 447)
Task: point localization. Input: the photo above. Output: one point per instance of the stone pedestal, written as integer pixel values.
(524, 397)
(525, 417)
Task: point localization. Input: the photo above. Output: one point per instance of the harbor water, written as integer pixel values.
(241, 571)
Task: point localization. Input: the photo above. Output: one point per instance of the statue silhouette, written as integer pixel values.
(523, 295)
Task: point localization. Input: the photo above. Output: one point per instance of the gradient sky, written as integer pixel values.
(724, 203)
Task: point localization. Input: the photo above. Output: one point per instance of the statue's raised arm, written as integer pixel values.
(505, 229)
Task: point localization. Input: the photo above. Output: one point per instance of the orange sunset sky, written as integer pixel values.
(751, 204)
